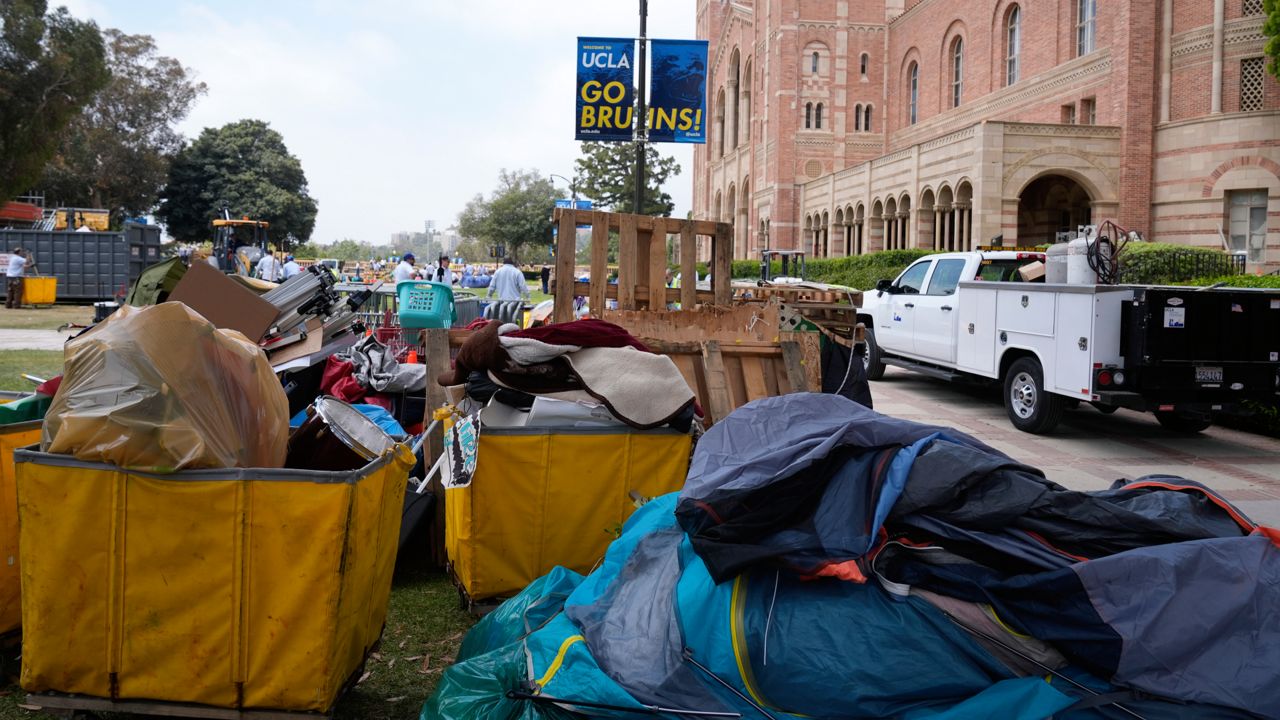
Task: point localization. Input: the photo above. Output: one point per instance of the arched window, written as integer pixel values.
(957, 72)
(857, 116)
(866, 119)
(1086, 22)
(866, 60)
(814, 66)
(913, 92)
(817, 118)
(1013, 35)
(808, 115)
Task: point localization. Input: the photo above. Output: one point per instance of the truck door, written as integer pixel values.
(894, 330)
(936, 312)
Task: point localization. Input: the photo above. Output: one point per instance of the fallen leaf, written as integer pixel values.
(397, 699)
(375, 656)
(403, 643)
(364, 676)
(413, 658)
(33, 708)
(391, 664)
(426, 664)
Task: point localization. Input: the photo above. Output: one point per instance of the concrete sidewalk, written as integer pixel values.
(1090, 450)
(32, 339)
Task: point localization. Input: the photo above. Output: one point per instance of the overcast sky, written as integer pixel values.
(399, 111)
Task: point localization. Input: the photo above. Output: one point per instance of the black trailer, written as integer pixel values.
(89, 266)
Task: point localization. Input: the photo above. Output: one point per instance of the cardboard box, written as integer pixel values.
(224, 302)
(1032, 271)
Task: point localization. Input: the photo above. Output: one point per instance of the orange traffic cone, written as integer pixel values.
(412, 359)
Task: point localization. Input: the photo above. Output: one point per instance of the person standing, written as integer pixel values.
(269, 268)
(405, 270)
(291, 268)
(17, 273)
(546, 279)
(509, 283)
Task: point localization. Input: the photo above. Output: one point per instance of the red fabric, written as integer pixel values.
(478, 323)
(334, 370)
(382, 400)
(348, 389)
(586, 333)
(1270, 533)
(49, 387)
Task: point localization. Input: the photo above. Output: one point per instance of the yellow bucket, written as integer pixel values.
(542, 498)
(39, 290)
(254, 589)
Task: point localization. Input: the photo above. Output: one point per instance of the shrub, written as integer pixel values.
(1144, 263)
(858, 271)
(1240, 281)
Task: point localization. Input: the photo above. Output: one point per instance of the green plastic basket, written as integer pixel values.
(424, 304)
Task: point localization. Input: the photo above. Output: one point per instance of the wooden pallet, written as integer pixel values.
(71, 706)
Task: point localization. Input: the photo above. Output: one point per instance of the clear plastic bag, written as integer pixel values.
(161, 389)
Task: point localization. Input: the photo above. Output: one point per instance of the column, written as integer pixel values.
(947, 223)
(730, 118)
(963, 234)
(904, 220)
(1166, 60)
(891, 232)
(1219, 21)
(937, 228)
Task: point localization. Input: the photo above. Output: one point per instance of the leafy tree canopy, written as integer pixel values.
(116, 154)
(50, 66)
(608, 170)
(245, 167)
(516, 215)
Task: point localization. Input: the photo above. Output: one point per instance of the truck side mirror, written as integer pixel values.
(885, 286)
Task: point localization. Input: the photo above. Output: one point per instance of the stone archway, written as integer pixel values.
(1051, 204)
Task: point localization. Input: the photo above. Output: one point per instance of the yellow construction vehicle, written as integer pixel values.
(238, 244)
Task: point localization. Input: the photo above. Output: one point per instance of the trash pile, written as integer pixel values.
(826, 561)
(591, 363)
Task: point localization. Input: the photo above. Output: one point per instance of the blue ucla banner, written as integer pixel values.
(678, 91)
(605, 82)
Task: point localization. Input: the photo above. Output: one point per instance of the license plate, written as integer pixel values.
(1206, 374)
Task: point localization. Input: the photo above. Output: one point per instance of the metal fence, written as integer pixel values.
(1180, 266)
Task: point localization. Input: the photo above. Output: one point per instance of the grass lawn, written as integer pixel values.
(424, 629)
(48, 318)
(41, 363)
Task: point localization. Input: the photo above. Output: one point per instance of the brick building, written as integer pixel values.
(849, 126)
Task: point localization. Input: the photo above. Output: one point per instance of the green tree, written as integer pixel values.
(245, 167)
(50, 66)
(607, 174)
(1271, 29)
(116, 154)
(516, 214)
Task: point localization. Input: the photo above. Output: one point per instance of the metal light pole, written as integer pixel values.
(641, 120)
(573, 188)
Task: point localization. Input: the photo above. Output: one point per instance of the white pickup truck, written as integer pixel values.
(1179, 352)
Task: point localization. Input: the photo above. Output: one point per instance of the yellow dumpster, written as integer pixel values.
(19, 426)
(39, 290)
(542, 497)
(251, 589)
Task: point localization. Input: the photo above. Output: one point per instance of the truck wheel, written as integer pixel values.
(871, 358)
(1031, 408)
(1183, 423)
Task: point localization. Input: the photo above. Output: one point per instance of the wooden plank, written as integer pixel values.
(688, 267)
(685, 364)
(753, 377)
(657, 242)
(599, 262)
(793, 362)
(718, 402)
(437, 361)
(810, 355)
(641, 261)
(628, 273)
(733, 376)
(770, 365)
(722, 256)
(639, 292)
(566, 254)
(700, 227)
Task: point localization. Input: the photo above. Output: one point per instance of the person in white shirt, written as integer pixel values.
(291, 268)
(405, 270)
(269, 268)
(509, 283)
(17, 269)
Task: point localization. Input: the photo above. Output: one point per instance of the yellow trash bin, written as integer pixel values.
(12, 436)
(254, 589)
(542, 497)
(39, 290)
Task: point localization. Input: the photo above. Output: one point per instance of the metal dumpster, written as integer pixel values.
(244, 588)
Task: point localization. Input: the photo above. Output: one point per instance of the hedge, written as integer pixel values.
(1240, 281)
(859, 271)
(1146, 263)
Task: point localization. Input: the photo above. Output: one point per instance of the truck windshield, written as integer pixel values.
(1000, 270)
